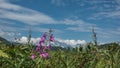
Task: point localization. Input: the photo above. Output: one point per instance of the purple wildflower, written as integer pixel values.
(44, 35)
(39, 44)
(42, 39)
(44, 48)
(49, 47)
(37, 49)
(33, 56)
(41, 48)
(44, 55)
(51, 38)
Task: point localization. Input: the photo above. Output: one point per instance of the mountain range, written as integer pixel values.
(63, 44)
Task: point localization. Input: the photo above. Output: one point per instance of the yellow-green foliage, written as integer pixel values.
(2, 54)
(92, 57)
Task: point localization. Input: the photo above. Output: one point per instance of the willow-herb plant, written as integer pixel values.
(43, 46)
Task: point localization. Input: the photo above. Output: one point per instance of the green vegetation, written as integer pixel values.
(18, 56)
(4, 41)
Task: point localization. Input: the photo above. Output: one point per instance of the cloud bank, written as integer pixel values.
(69, 42)
(22, 14)
(72, 42)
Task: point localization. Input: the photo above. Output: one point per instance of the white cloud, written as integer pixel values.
(82, 26)
(24, 40)
(72, 42)
(112, 14)
(118, 1)
(24, 15)
(108, 9)
(39, 29)
(6, 34)
(73, 22)
(58, 2)
(6, 5)
(1, 32)
(8, 28)
(35, 40)
(79, 25)
(32, 17)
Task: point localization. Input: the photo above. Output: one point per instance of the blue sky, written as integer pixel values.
(70, 19)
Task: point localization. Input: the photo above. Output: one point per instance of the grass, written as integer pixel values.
(90, 57)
